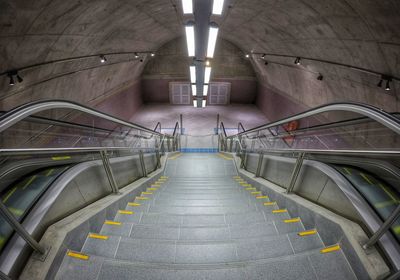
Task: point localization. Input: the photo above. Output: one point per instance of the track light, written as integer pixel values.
(380, 83)
(263, 56)
(218, 6)
(187, 6)
(152, 54)
(189, 29)
(19, 79)
(387, 87)
(136, 55)
(212, 39)
(246, 55)
(320, 77)
(11, 79)
(297, 61)
(103, 59)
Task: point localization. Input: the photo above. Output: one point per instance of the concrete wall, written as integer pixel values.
(172, 64)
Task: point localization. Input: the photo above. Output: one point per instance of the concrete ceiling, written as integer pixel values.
(362, 33)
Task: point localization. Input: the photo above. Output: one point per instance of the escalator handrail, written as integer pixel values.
(372, 112)
(19, 113)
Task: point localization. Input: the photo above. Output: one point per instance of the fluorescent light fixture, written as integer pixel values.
(218, 5)
(194, 90)
(207, 75)
(203, 103)
(195, 103)
(187, 6)
(205, 90)
(212, 40)
(193, 74)
(190, 39)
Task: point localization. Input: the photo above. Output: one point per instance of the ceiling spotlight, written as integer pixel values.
(247, 55)
(297, 61)
(380, 83)
(263, 56)
(387, 87)
(11, 79)
(19, 79)
(136, 55)
(207, 63)
(320, 77)
(152, 54)
(103, 59)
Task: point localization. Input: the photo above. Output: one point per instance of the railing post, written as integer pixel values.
(168, 144)
(383, 229)
(141, 158)
(181, 122)
(260, 161)
(230, 145)
(295, 173)
(109, 172)
(19, 229)
(158, 158)
(217, 130)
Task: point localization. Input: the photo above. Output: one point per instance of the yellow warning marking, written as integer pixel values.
(141, 198)
(330, 249)
(49, 172)
(9, 194)
(125, 212)
(307, 232)
(388, 192)
(146, 193)
(77, 255)
(396, 230)
(250, 189)
(151, 189)
(270, 203)
(279, 211)
(61, 158)
(98, 236)
(134, 204)
(347, 171)
(288, 221)
(255, 193)
(246, 185)
(366, 178)
(164, 177)
(384, 204)
(175, 156)
(112, 223)
(262, 197)
(15, 211)
(2, 241)
(236, 177)
(29, 182)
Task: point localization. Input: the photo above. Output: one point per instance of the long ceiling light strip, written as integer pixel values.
(203, 103)
(190, 39)
(205, 90)
(218, 5)
(193, 74)
(212, 40)
(187, 6)
(195, 103)
(194, 90)
(207, 75)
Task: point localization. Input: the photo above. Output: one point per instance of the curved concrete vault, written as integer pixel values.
(362, 33)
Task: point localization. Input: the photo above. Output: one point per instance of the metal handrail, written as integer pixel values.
(14, 116)
(372, 112)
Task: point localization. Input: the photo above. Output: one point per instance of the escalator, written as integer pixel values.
(22, 195)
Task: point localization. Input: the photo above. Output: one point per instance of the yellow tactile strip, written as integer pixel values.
(330, 249)
(77, 255)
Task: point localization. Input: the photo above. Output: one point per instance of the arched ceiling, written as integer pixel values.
(362, 33)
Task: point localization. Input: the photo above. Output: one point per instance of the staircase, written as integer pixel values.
(202, 221)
